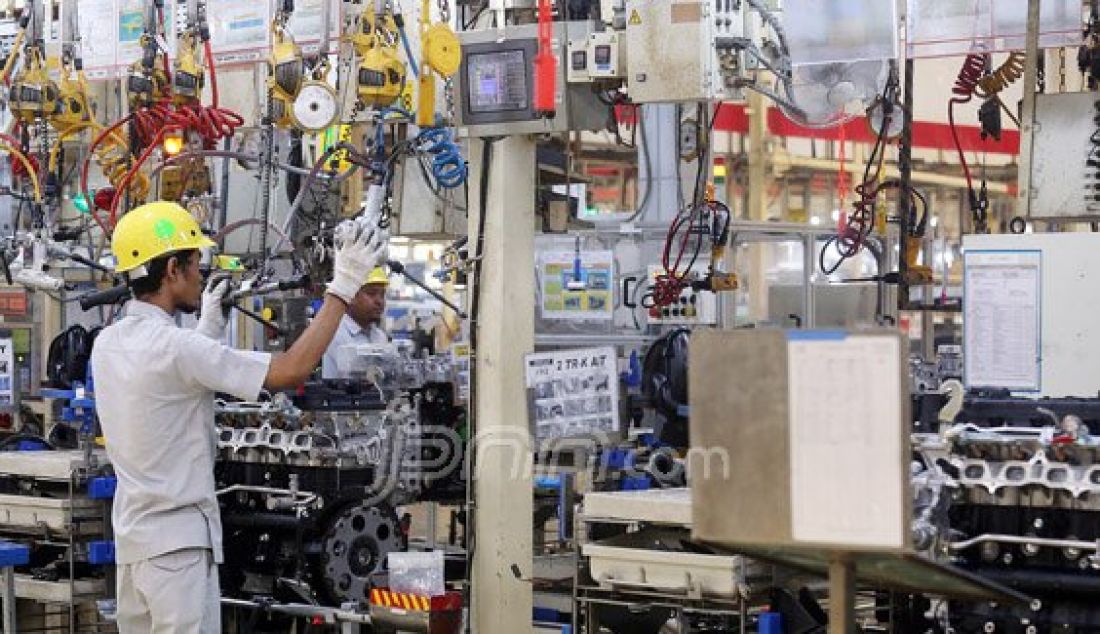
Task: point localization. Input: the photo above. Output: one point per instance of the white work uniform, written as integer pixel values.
(348, 332)
(154, 391)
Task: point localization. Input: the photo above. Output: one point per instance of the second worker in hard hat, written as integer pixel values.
(361, 324)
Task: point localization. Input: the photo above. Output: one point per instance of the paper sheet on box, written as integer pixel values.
(846, 441)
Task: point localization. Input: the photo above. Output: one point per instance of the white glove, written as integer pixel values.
(214, 316)
(360, 247)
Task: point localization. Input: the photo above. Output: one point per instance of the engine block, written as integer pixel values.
(308, 486)
(1023, 511)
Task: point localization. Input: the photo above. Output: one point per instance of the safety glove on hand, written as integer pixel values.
(360, 246)
(214, 315)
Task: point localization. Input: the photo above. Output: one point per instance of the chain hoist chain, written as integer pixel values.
(267, 167)
(448, 82)
(1042, 73)
(1061, 70)
(449, 95)
(43, 133)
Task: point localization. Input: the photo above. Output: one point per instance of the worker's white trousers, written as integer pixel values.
(175, 593)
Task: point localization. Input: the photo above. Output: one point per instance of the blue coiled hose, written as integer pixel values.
(448, 166)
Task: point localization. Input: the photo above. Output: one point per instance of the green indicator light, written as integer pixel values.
(82, 204)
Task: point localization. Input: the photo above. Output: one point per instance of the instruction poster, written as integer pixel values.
(575, 392)
(128, 17)
(240, 30)
(238, 27)
(305, 23)
(98, 16)
(564, 296)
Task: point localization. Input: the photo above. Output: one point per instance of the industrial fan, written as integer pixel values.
(827, 95)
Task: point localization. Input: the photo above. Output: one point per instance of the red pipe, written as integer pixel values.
(213, 74)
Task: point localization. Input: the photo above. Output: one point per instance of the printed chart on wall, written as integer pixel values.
(1001, 320)
(575, 290)
(574, 392)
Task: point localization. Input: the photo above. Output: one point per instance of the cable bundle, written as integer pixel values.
(973, 81)
(668, 285)
(852, 235)
(211, 123)
(440, 157)
(965, 86)
(22, 165)
(111, 151)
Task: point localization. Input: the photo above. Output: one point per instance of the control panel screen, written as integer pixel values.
(580, 60)
(603, 55)
(497, 81)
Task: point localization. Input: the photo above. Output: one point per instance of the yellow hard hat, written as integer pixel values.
(153, 230)
(379, 276)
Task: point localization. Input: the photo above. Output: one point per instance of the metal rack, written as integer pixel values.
(590, 594)
(59, 510)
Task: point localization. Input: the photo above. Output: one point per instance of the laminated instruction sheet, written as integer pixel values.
(1002, 320)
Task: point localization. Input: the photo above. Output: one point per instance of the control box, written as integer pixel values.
(683, 51)
(600, 56)
(577, 67)
(694, 307)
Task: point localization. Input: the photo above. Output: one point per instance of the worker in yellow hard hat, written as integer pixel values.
(154, 388)
(361, 324)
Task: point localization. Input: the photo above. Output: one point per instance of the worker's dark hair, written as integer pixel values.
(156, 269)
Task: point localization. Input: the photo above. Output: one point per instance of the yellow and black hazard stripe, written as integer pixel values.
(401, 600)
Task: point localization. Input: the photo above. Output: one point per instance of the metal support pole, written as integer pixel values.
(758, 203)
(8, 598)
(432, 519)
(223, 202)
(905, 167)
(502, 514)
(809, 263)
(842, 596)
(1027, 119)
(661, 172)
